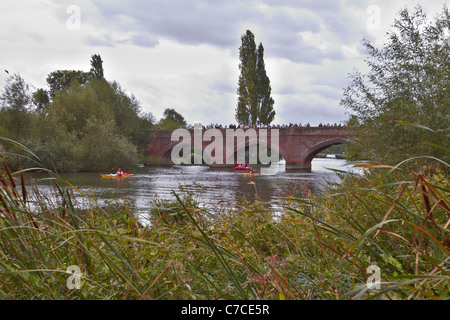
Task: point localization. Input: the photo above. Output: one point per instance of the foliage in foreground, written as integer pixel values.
(408, 80)
(316, 248)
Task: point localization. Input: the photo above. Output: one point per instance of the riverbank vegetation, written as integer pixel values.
(314, 247)
(81, 123)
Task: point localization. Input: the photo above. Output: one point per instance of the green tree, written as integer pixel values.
(71, 119)
(97, 66)
(62, 79)
(247, 108)
(171, 120)
(102, 147)
(130, 120)
(143, 131)
(15, 108)
(40, 98)
(88, 124)
(263, 89)
(56, 147)
(255, 103)
(124, 107)
(16, 94)
(408, 79)
(74, 106)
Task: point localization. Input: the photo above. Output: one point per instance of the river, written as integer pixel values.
(211, 186)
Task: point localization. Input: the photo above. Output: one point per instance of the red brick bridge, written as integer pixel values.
(297, 145)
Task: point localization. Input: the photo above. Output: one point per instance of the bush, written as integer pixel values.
(102, 148)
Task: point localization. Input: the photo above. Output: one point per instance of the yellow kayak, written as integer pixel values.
(115, 175)
(250, 174)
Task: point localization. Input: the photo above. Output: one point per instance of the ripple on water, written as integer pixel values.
(209, 185)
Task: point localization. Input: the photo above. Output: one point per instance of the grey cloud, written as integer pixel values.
(220, 24)
(315, 5)
(312, 111)
(328, 92)
(331, 14)
(299, 51)
(143, 40)
(37, 37)
(189, 22)
(223, 86)
(283, 21)
(287, 89)
(323, 91)
(335, 75)
(103, 41)
(341, 25)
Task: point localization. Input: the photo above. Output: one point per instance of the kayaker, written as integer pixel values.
(119, 172)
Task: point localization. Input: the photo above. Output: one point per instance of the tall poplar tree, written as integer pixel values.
(247, 108)
(254, 101)
(97, 66)
(265, 101)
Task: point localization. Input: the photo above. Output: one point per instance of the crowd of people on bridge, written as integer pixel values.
(234, 126)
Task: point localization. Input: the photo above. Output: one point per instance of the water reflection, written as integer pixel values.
(211, 186)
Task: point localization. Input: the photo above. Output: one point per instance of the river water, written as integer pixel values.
(211, 186)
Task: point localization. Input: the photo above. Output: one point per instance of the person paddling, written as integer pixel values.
(119, 172)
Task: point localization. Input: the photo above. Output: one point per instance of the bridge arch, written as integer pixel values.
(245, 146)
(312, 152)
(166, 153)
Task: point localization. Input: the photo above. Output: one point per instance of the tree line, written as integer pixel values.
(82, 122)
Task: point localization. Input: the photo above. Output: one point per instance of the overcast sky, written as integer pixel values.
(183, 54)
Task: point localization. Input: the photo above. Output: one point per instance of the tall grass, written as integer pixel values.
(397, 221)
(318, 248)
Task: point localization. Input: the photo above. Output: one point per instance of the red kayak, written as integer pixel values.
(243, 168)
